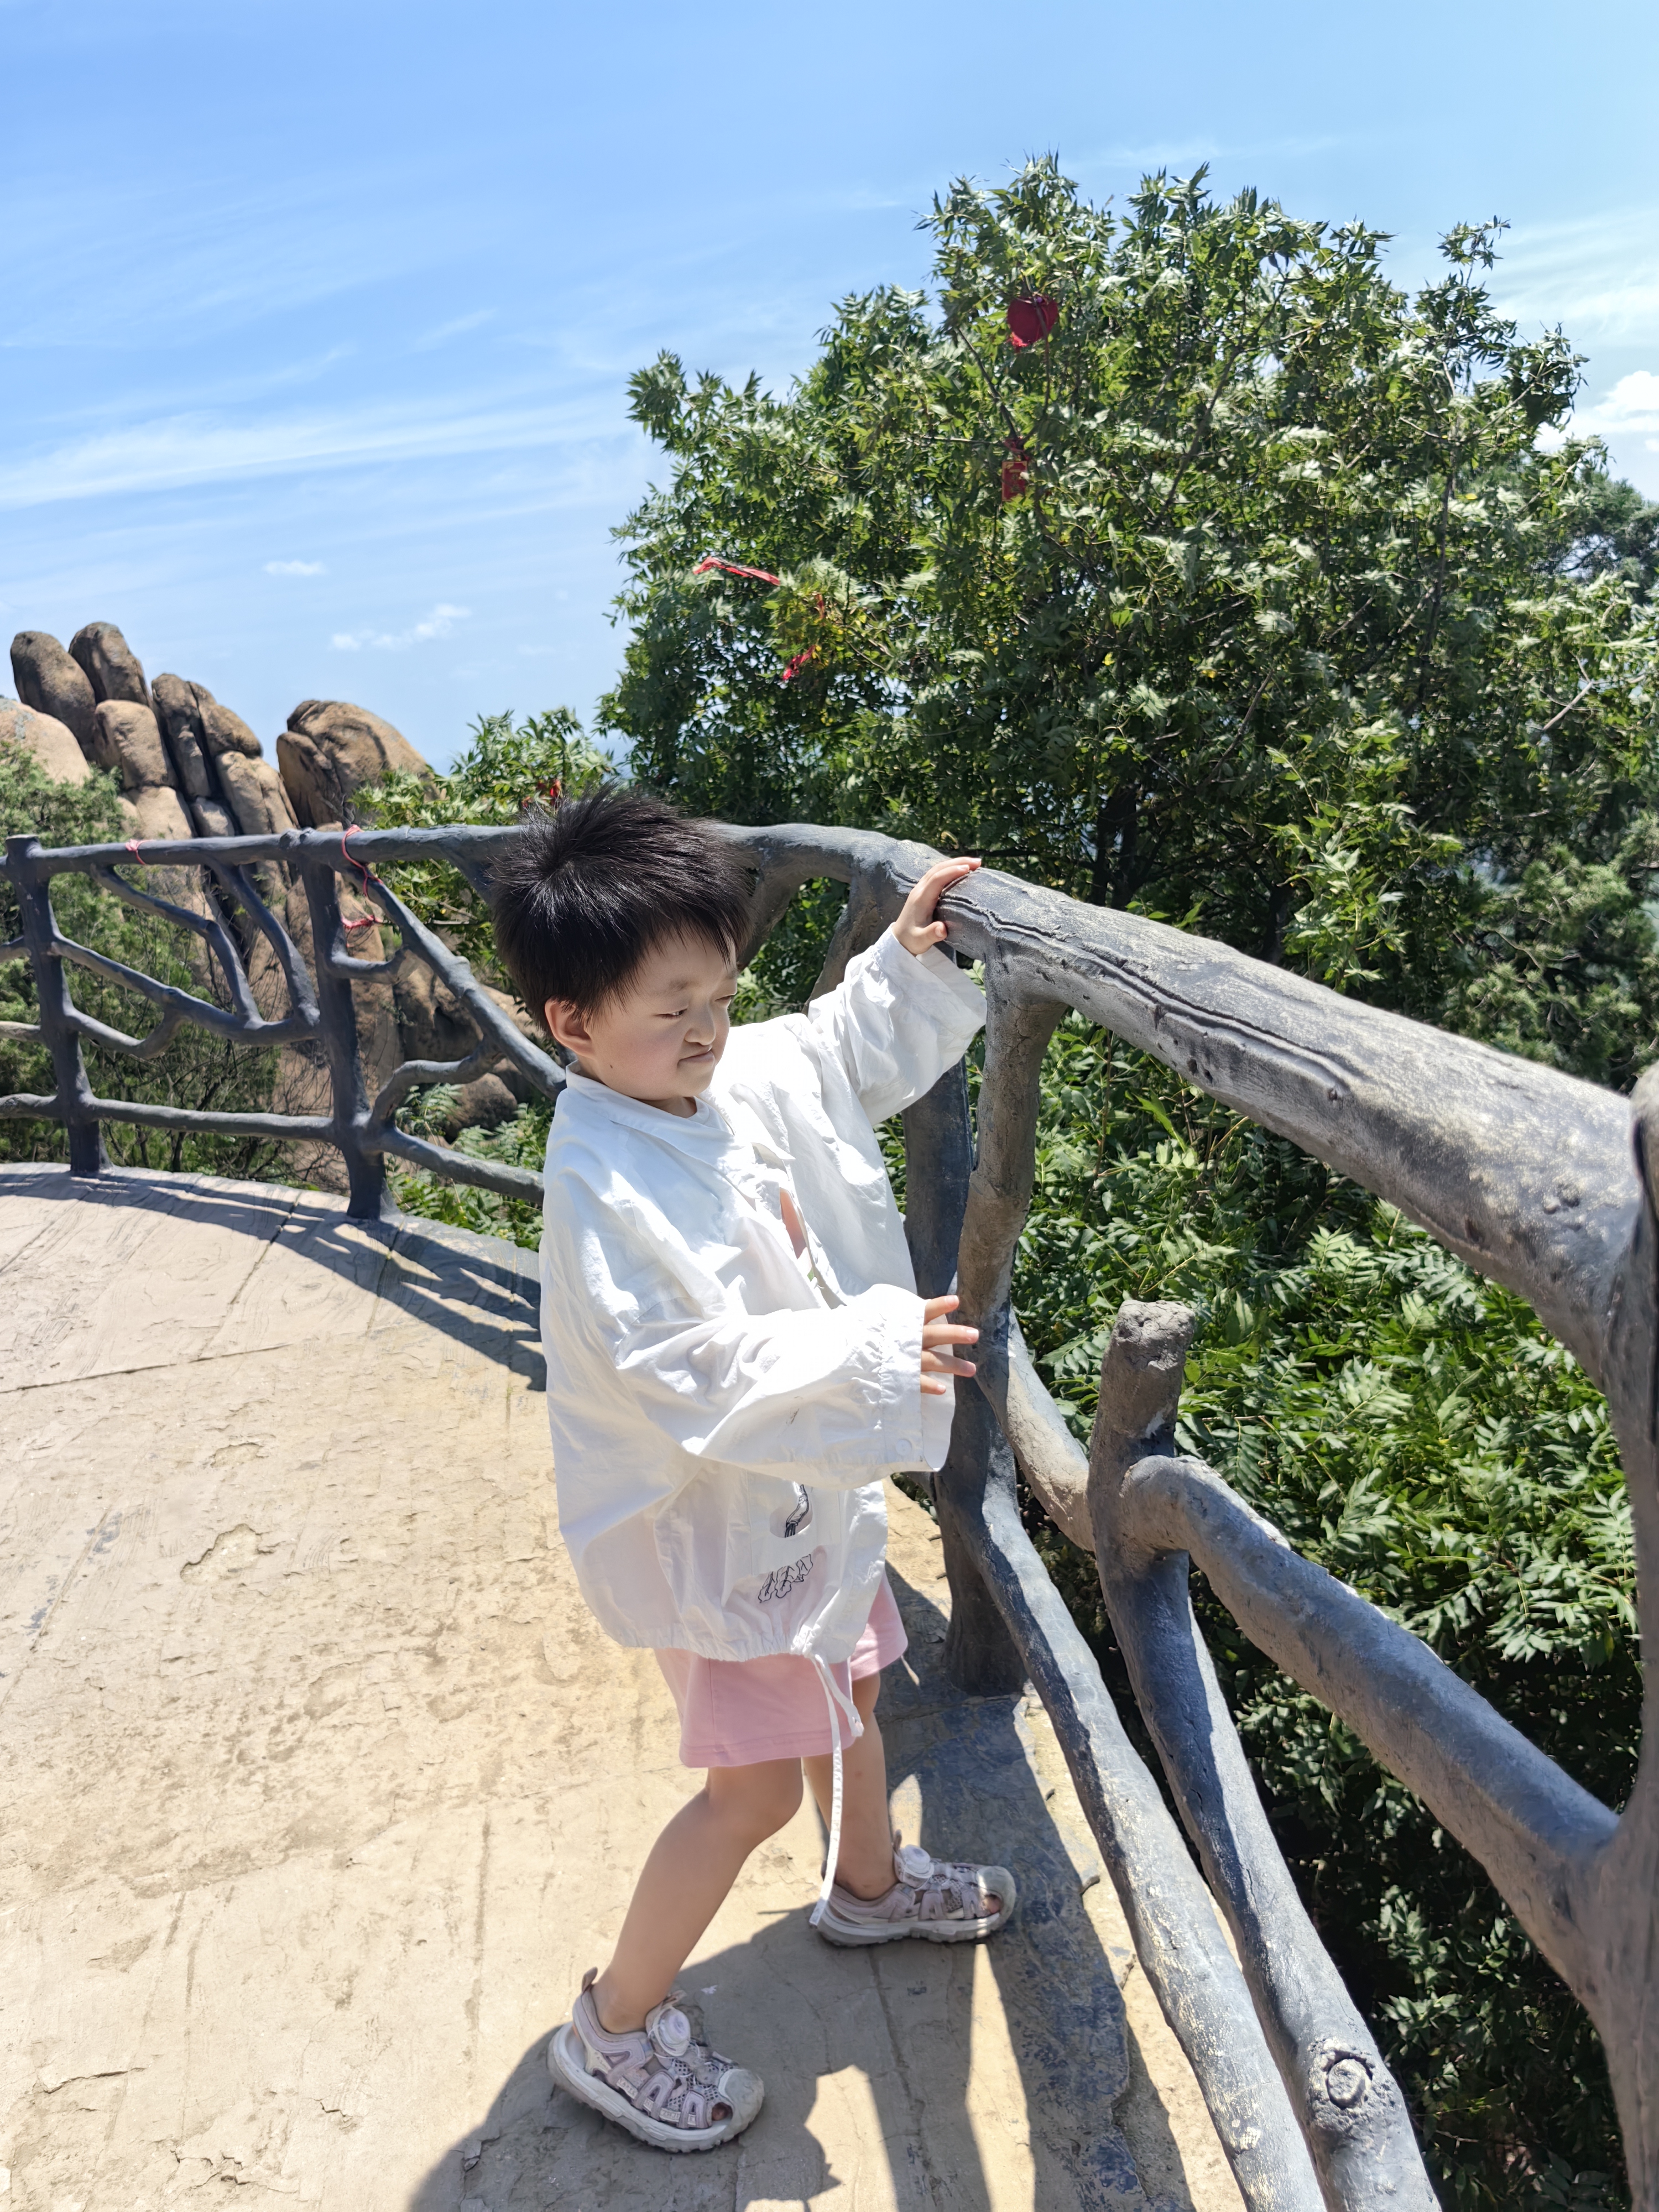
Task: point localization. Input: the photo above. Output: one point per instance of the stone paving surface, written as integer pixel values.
(321, 1787)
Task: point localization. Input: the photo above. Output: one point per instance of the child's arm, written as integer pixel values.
(836, 1389)
(905, 1012)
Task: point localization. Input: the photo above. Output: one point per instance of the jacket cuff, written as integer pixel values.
(898, 1381)
(931, 980)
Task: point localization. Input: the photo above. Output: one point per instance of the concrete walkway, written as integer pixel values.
(321, 1788)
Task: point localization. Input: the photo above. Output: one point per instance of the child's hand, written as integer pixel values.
(938, 1335)
(915, 928)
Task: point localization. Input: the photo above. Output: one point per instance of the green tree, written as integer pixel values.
(1245, 597)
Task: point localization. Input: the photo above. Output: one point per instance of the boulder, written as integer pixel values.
(302, 1074)
(127, 738)
(192, 716)
(158, 811)
(331, 748)
(432, 1023)
(179, 711)
(50, 682)
(112, 666)
(254, 791)
(51, 742)
(484, 1103)
(214, 818)
(226, 732)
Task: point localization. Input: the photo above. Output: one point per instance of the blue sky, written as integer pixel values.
(317, 319)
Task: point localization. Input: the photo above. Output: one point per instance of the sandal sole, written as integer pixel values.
(566, 2064)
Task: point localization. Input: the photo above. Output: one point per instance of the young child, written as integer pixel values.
(735, 1357)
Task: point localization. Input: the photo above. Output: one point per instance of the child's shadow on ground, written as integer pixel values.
(867, 2054)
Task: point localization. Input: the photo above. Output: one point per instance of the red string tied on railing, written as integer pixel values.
(366, 921)
(1032, 316)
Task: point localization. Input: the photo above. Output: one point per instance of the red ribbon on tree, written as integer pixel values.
(735, 568)
(761, 576)
(1015, 470)
(1031, 318)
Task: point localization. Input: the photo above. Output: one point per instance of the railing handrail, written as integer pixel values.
(1534, 1177)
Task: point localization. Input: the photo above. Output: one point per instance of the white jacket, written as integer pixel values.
(723, 1412)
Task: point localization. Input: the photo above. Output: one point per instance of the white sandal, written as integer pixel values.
(661, 2081)
(939, 1900)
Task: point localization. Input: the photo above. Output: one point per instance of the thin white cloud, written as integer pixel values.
(1631, 405)
(439, 624)
(211, 261)
(1631, 410)
(295, 568)
(1598, 277)
(445, 331)
(194, 449)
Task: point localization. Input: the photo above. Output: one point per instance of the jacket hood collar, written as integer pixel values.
(705, 1135)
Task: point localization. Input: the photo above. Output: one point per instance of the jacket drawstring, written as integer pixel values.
(837, 1704)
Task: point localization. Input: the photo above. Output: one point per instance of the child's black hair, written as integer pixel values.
(583, 895)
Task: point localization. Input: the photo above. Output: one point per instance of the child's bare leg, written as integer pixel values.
(692, 1866)
(865, 1863)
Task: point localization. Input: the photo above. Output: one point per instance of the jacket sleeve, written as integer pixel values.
(837, 1388)
(896, 1021)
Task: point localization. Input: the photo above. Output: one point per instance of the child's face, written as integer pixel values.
(661, 1039)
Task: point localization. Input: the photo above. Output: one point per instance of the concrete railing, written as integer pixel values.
(1542, 1182)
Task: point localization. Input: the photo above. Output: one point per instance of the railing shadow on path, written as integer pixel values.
(478, 1290)
(915, 2020)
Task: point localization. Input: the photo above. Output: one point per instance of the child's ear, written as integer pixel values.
(566, 1025)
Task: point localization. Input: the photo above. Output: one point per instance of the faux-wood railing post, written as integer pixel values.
(337, 1006)
(1352, 2115)
(57, 1032)
(938, 1158)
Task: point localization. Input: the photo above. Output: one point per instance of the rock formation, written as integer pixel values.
(127, 740)
(221, 760)
(51, 742)
(177, 710)
(50, 682)
(188, 765)
(111, 666)
(330, 748)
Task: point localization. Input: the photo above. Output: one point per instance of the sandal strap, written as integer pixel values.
(664, 2069)
(945, 1889)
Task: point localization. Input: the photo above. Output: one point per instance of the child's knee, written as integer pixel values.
(759, 1799)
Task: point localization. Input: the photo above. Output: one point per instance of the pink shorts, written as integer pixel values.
(737, 1712)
